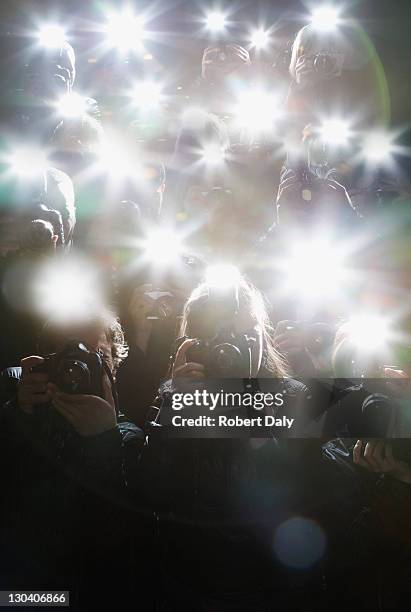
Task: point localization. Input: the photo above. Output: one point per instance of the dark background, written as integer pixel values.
(178, 35)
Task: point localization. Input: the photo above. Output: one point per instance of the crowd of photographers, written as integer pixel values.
(120, 259)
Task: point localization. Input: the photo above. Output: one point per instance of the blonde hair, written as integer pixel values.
(252, 302)
(310, 40)
(347, 40)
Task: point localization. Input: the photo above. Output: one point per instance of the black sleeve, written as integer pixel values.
(110, 461)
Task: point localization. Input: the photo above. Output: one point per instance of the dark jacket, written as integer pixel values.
(63, 516)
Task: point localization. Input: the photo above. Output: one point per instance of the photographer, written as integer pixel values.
(150, 313)
(223, 67)
(61, 446)
(306, 346)
(370, 497)
(38, 231)
(333, 71)
(199, 491)
(374, 399)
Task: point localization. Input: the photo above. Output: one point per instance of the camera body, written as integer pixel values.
(328, 64)
(163, 305)
(75, 370)
(227, 355)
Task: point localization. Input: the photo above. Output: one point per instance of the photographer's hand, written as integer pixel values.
(399, 383)
(304, 72)
(378, 458)
(32, 388)
(89, 415)
(182, 369)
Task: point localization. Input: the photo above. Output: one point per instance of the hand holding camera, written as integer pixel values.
(76, 385)
(89, 415)
(377, 456)
(187, 369)
(311, 69)
(32, 388)
(221, 61)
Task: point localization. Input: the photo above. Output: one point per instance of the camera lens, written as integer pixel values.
(73, 377)
(227, 359)
(324, 64)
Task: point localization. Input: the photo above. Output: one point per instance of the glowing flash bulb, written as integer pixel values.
(260, 39)
(52, 37)
(67, 291)
(369, 332)
(72, 105)
(115, 162)
(222, 276)
(28, 162)
(125, 31)
(335, 132)
(163, 246)
(256, 111)
(378, 147)
(147, 95)
(216, 22)
(325, 18)
(315, 269)
(213, 155)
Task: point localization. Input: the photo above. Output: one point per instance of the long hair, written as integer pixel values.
(251, 302)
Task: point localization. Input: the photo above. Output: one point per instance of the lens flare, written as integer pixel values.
(335, 132)
(257, 110)
(67, 291)
(378, 147)
(216, 21)
(213, 155)
(125, 31)
(147, 95)
(52, 36)
(27, 162)
(72, 105)
(163, 246)
(325, 18)
(369, 332)
(260, 39)
(221, 276)
(315, 269)
(299, 543)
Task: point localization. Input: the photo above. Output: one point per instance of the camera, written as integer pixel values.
(75, 370)
(316, 337)
(327, 64)
(162, 308)
(227, 355)
(218, 198)
(282, 59)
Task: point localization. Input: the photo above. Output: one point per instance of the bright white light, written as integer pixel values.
(257, 111)
(216, 21)
(222, 276)
(378, 147)
(315, 269)
(325, 18)
(27, 162)
(213, 155)
(52, 36)
(67, 291)
(147, 95)
(115, 161)
(335, 132)
(72, 105)
(260, 39)
(163, 246)
(369, 332)
(125, 31)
